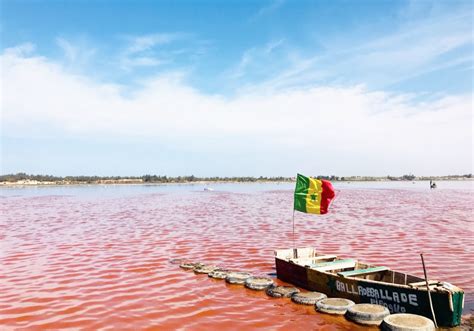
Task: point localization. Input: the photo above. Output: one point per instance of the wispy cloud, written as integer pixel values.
(69, 50)
(141, 51)
(160, 49)
(143, 43)
(419, 47)
(254, 56)
(414, 48)
(268, 9)
(77, 53)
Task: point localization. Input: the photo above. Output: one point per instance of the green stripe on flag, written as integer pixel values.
(301, 191)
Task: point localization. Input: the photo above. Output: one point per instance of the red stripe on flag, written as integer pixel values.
(326, 196)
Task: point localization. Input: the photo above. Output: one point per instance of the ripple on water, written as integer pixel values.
(69, 262)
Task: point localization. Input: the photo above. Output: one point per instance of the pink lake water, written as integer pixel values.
(98, 257)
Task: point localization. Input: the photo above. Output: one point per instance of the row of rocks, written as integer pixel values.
(365, 314)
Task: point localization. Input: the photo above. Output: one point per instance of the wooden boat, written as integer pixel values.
(365, 283)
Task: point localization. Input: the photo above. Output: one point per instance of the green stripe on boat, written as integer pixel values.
(360, 272)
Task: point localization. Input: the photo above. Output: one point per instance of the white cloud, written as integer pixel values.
(346, 130)
(20, 50)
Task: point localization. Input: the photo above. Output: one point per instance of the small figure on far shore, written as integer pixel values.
(432, 184)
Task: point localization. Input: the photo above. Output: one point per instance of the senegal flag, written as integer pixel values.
(313, 195)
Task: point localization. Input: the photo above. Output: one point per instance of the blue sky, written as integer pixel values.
(237, 88)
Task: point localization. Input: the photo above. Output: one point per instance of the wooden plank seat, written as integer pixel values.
(308, 261)
(324, 257)
(431, 283)
(334, 265)
(362, 272)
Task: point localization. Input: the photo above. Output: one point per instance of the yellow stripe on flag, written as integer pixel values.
(313, 198)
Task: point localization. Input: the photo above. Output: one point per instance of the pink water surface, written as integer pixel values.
(106, 262)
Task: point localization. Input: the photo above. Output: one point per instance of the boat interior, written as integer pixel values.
(346, 267)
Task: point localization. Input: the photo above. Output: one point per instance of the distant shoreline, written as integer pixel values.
(200, 181)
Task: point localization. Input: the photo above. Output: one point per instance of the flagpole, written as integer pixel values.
(294, 229)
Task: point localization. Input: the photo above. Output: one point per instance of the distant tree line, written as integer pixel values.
(189, 179)
(23, 176)
(144, 178)
(331, 178)
(192, 178)
(404, 177)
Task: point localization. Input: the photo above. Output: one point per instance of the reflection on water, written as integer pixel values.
(99, 257)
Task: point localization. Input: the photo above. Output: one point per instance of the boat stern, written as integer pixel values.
(289, 271)
(457, 303)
